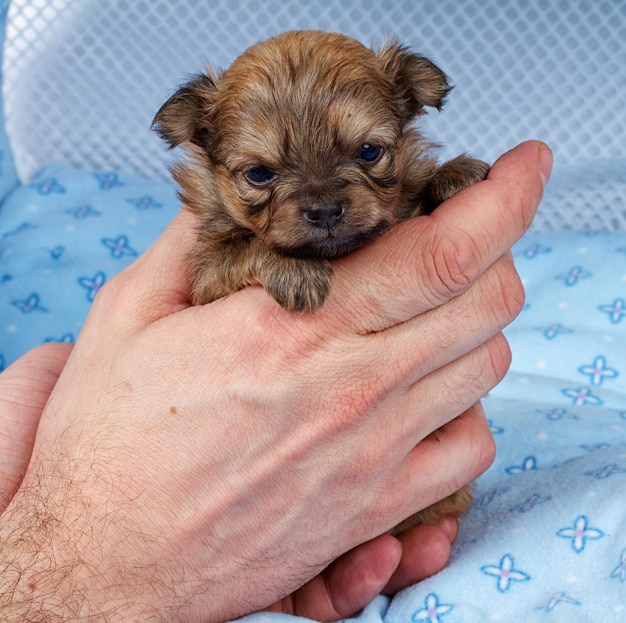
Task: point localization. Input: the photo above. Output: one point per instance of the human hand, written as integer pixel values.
(25, 387)
(341, 590)
(162, 465)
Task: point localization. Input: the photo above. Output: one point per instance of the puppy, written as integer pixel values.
(300, 152)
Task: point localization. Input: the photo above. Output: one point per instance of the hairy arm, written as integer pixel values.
(55, 566)
(35, 584)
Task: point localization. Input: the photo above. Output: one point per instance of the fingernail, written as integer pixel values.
(545, 162)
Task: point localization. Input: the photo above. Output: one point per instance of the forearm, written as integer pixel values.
(49, 569)
(33, 585)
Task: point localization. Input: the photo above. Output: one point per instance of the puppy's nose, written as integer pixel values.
(325, 215)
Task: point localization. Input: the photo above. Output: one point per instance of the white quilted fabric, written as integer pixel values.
(84, 77)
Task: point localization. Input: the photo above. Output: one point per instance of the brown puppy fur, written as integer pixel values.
(302, 151)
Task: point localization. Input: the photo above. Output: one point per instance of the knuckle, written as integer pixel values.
(499, 359)
(519, 203)
(461, 390)
(512, 202)
(358, 397)
(482, 452)
(512, 289)
(451, 266)
(483, 445)
(479, 448)
(111, 300)
(500, 296)
(478, 373)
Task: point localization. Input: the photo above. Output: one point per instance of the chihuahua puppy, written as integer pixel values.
(301, 151)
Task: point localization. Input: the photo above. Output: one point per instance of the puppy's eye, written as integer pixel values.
(259, 176)
(369, 153)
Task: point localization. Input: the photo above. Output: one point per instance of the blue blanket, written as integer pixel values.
(61, 237)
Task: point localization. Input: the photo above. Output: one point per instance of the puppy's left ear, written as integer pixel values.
(419, 82)
(184, 117)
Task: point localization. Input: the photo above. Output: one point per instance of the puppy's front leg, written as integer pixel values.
(297, 284)
(450, 178)
(219, 267)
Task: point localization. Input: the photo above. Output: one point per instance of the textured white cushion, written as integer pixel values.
(84, 78)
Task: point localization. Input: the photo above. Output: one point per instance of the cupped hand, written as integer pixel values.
(342, 589)
(205, 462)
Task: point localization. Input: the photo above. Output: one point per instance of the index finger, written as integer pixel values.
(426, 261)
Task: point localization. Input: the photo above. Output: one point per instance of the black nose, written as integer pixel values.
(325, 215)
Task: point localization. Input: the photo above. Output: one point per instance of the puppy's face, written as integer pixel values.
(302, 137)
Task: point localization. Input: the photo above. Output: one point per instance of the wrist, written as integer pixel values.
(31, 580)
(48, 572)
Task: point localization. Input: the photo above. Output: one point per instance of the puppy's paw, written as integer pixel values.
(300, 286)
(455, 505)
(453, 176)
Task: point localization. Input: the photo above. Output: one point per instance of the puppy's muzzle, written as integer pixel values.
(325, 215)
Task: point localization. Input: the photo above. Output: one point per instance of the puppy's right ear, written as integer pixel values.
(184, 117)
(419, 82)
